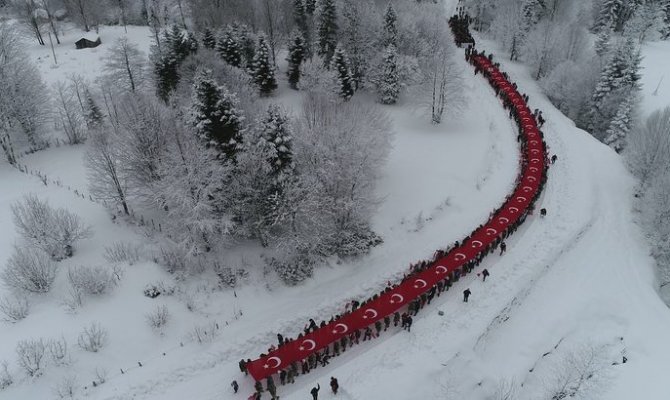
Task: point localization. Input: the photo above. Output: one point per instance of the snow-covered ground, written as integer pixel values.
(576, 280)
(655, 76)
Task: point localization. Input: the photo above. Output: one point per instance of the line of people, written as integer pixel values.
(460, 26)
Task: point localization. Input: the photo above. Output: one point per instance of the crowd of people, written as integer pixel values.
(460, 27)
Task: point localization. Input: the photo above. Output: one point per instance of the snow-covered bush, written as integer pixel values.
(15, 307)
(123, 252)
(315, 77)
(55, 231)
(158, 318)
(66, 388)
(58, 351)
(30, 270)
(294, 270)
(6, 378)
(91, 280)
(30, 354)
(92, 338)
(152, 291)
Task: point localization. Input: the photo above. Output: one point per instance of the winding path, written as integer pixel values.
(448, 267)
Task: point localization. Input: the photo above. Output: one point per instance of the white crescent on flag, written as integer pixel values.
(459, 256)
(372, 311)
(521, 199)
(491, 231)
(503, 220)
(398, 296)
(441, 269)
(513, 210)
(310, 348)
(420, 283)
(344, 328)
(533, 169)
(527, 189)
(277, 359)
(476, 244)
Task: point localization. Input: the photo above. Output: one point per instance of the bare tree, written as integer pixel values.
(103, 161)
(31, 356)
(48, 6)
(28, 13)
(125, 65)
(69, 114)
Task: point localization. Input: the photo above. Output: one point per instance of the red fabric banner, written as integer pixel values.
(515, 207)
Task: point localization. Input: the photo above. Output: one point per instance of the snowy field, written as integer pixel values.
(655, 77)
(574, 283)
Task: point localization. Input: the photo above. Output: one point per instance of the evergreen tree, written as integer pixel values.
(665, 30)
(310, 7)
(275, 136)
(388, 86)
(300, 17)
(215, 116)
(390, 34)
(296, 55)
(602, 43)
(618, 81)
(263, 72)
(229, 47)
(93, 114)
(355, 41)
(167, 76)
(176, 46)
(247, 41)
(610, 15)
(208, 39)
(620, 125)
(327, 30)
(344, 79)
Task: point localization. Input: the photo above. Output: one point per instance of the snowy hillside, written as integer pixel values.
(573, 302)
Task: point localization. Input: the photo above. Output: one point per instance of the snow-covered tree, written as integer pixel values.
(175, 46)
(229, 47)
(388, 86)
(216, 117)
(665, 29)
(621, 125)
(296, 55)
(648, 149)
(93, 115)
(646, 23)
(125, 65)
(24, 107)
(208, 39)
(310, 7)
(276, 136)
(315, 77)
(390, 33)
(104, 162)
(263, 72)
(618, 80)
(300, 18)
(69, 114)
(327, 30)
(609, 16)
(346, 83)
(28, 13)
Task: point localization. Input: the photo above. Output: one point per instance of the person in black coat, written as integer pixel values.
(466, 295)
(334, 385)
(235, 386)
(315, 392)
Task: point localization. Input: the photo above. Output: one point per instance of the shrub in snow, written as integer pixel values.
(58, 351)
(227, 276)
(92, 338)
(31, 356)
(174, 258)
(152, 291)
(294, 270)
(315, 77)
(100, 376)
(91, 280)
(6, 379)
(30, 270)
(14, 307)
(66, 388)
(55, 231)
(158, 318)
(122, 252)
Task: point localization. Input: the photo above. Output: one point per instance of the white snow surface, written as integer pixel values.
(580, 278)
(655, 76)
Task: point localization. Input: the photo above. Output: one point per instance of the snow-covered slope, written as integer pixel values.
(574, 282)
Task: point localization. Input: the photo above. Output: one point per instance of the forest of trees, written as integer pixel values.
(210, 150)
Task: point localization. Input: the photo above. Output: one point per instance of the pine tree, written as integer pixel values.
(263, 73)
(610, 15)
(208, 39)
(300, 17)
(619, 79)
(390, 34)
(310, 7)
(215, 116)
(275, 132)
(247, 41)
(665, 31)
(602, 43)
(229, 47)
(620, 125)
(176, 46)
(167, 76)
(327, 30)
(389, 85)
(344, 79)
(296, 55)
(94, 116)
